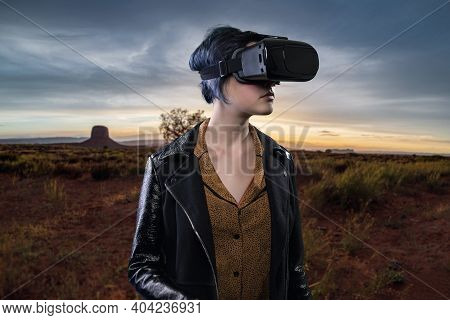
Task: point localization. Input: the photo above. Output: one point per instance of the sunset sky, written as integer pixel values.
(383, 81)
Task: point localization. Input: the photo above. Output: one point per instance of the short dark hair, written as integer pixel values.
(218, 44)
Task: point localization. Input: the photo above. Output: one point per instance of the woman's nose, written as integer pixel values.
(274, 83)
(270, 84)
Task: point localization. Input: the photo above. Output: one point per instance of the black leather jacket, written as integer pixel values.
(172, 254)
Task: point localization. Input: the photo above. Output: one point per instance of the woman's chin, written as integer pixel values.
(260, 109)
(266, 109)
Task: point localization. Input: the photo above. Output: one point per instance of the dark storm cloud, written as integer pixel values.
(147, 45)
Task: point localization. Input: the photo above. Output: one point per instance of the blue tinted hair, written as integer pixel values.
(218, 44)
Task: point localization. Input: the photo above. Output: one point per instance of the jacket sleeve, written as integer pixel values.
(298, 288)
(146, 270)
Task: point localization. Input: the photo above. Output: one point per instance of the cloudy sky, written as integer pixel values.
(383, 81)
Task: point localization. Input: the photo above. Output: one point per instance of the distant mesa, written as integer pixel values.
(100, 139)
(339, 151)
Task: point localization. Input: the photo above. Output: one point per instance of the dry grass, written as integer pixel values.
(55, 193)
(358, 227)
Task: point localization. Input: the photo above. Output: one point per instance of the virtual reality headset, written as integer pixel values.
(270, 59)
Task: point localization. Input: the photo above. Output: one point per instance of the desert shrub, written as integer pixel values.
(392, 175)
(71, 171)
(417, 172)
(133, 171)
(103, 171)
(434, 181)
(390, 275)
(29, 166)
(358, 186)
(5, 156)
(125, 169)
(311, 169)
(6, 166)
(326, 163)
(55, 193)
(341, 165)
(317, 246)
(358, 228)
(328, 284)
(73, 160)
(322, 193)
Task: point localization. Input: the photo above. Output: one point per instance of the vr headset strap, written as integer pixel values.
(221, 69)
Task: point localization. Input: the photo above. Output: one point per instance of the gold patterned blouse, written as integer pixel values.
(241, 231)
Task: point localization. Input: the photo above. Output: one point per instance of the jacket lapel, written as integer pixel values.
(277, 182)
(186, 185)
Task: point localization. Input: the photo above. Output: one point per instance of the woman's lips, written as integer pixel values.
(269, 95)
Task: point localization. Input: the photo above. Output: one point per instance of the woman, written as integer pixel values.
(218, 214)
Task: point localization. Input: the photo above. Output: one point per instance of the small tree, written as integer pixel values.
(178, 121)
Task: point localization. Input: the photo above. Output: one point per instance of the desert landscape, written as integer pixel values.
(374, 226)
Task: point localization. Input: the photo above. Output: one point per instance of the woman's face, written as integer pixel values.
(248, 98)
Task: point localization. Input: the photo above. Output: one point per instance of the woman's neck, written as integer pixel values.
(227, 129)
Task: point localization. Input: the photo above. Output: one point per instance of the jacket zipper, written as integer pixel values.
(200, 239)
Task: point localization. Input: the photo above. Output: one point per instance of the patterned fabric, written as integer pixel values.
(241, 231)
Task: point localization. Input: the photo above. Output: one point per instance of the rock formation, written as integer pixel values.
(100, 139)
